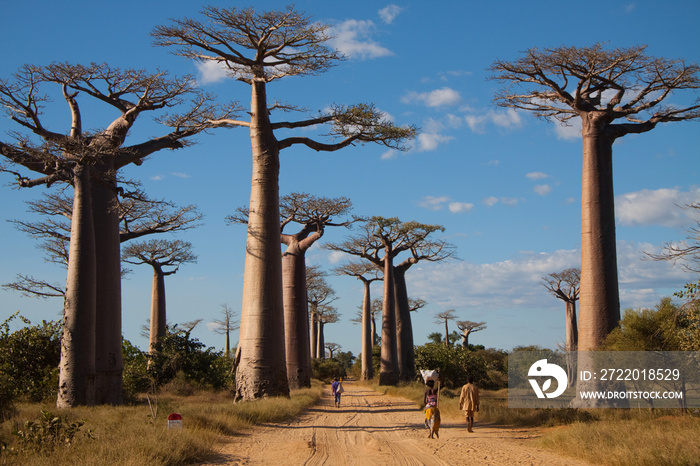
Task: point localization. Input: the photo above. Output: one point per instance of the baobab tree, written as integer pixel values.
(165, 258)
(325, 314)
(319, 296)
(225, 326)
(380, 242)
(467, 327)
(332, 348)
(257, 48)
(442, 318)
(314, 214)
(614, 92)
(91, 347)
(565, 285)
(366, 273)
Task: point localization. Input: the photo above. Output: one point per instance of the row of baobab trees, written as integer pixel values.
(614, 92)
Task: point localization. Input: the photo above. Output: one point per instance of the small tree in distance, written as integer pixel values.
(565, 285)
(467, 327)
(226, 325)
(443, 318)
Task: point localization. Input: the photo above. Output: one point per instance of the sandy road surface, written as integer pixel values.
(373, 429)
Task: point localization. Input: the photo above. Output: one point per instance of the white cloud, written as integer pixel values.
(437, 98)
(353, 38)
(211, 71)
(459, 207)
(537, 175)
(508, 119)
(181, 175)
(430, 141)
(389, 13)
(434, 203)
(390, 154)
(439, 203)
(158, 177)
(493, 200)
(656, 207)
(542, 189)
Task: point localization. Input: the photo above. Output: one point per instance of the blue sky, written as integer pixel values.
(505, 185)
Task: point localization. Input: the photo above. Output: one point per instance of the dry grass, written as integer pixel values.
(130, 435)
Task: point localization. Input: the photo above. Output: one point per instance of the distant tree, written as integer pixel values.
(442, 318)
(91, 357)
(319, 296)
(226, 325)
(565, 285)
(257, 49)
(332, 348)
(467, 327)
(614, 92)
(165, 258)
(366, 273)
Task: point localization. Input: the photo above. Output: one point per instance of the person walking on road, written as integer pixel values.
(469, 402)
(337, 388)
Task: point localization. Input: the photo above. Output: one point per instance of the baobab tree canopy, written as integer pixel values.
(617, 84)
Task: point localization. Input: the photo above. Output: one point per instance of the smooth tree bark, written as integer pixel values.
(467, 327)
(366, 273)
(76, 382)
(55, 156)
(165, 258)
(257, 48)
(614, 92)
(565, 285)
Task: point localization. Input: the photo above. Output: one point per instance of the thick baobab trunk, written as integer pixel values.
(108, 320)
(76, 383)
(367, 335)
(296, 318)
(388, 369)
(313, 334)
(571, 326)
(320, 341)
(599, 311)
(158, 317)
(447, 340)
(404, 328)
(262, 370)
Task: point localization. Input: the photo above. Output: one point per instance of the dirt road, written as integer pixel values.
(373, 429)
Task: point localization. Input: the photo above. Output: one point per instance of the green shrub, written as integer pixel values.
(47, 433)
(326, 369)
(456, 364)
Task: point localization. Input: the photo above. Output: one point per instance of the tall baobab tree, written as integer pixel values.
(565, 285)
(442, 318)
(257, 48)
(225, 326)
(380, 242)
(165, 258)
(91, 347)
(614, 92)
(366, 273)
(314, 214)
(467, 327)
